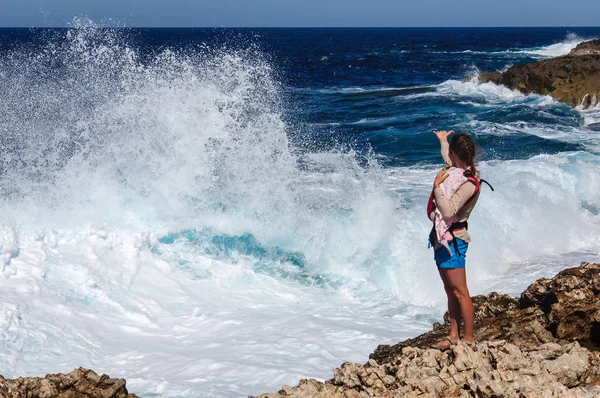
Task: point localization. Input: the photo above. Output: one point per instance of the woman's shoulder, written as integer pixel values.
(471, 185)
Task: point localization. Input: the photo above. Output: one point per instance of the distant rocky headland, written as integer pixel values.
(573, 79)
(543, 344)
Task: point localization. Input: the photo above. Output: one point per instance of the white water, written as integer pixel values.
(162, 230)
(558, 49)
(110, 153)
(552, 50)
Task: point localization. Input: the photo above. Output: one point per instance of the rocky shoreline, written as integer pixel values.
(546, 343)
(80, 383)
(543, 344)
(573, 79)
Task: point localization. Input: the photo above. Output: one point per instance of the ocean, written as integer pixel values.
(220, 212)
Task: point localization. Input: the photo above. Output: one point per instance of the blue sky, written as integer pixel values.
(254, 13)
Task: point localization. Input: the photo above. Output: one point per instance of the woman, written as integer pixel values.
(455, 209)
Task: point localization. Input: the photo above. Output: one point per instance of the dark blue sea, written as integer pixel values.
(220, 212)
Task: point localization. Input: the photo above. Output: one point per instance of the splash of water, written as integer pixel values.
(100, 133)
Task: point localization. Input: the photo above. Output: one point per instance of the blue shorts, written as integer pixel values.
(457, 260)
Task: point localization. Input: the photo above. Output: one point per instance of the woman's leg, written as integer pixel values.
(453, 307)
(456, 280)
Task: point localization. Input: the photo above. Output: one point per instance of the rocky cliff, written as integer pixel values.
(543, 344)
(573, 79)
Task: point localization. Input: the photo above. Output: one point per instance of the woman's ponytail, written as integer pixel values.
(464, 147)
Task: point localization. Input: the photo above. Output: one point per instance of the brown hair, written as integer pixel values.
(462, 145)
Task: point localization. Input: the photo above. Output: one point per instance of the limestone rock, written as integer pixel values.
(486, 369)
(80, 383)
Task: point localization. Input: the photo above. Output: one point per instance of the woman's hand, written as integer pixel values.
(439, 178)
(442, 135)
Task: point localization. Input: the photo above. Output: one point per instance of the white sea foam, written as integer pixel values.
(591, 115)
(579, 135)
(557, 49)
(563, 47)
(204, 325)
(486, 93)
(375, 120)
(104, 299)
(549, 51)
(492, 93)
(370, 90)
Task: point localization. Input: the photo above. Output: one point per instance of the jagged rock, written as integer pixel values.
(570, 303)
(80, 383)
(527, 347)
(566, 307)
(486, 369)
(573, 79)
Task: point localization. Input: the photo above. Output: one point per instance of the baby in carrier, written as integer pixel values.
(442, 225)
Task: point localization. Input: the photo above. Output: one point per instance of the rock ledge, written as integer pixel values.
(543, 344)
(80, 383)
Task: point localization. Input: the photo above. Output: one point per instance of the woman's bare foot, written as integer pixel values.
(445, 343)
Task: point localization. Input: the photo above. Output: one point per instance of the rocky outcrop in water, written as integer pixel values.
(80, 383)
(543, 344)
(573, 79)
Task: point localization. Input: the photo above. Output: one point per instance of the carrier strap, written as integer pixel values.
(488, 184)
(455, 226)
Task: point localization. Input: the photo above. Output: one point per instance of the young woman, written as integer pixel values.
(454, 209)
